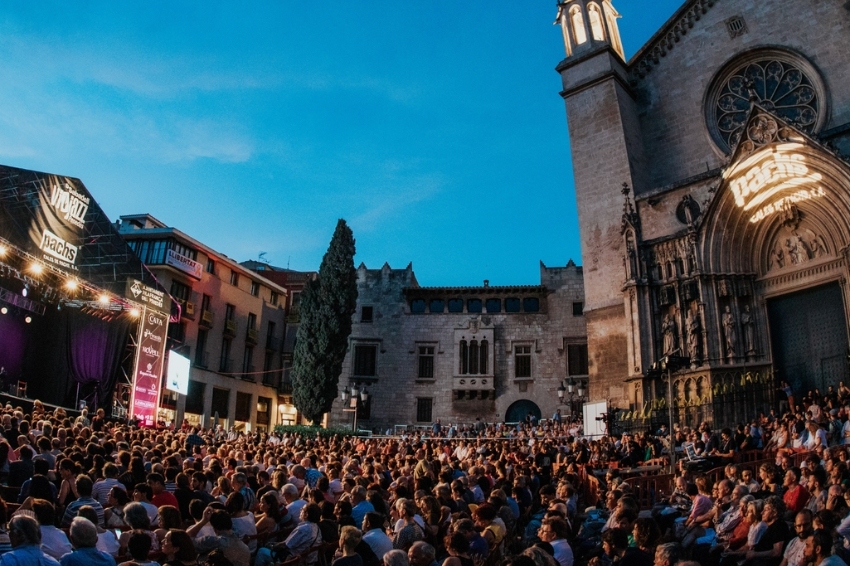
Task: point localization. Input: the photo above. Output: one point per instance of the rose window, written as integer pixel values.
(777, 86)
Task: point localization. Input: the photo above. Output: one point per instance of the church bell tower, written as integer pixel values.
(607, 151)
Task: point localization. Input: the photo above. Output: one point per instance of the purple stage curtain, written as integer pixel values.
(95, 349)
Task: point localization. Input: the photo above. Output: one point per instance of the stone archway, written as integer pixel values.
(519, 409)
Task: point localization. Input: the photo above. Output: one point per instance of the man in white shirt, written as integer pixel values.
(374, 535)
(554, 530)
(293, 503)
(819, 550)
(54, 541)
(793, 555)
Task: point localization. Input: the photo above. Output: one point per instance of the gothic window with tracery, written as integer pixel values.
(779, 86)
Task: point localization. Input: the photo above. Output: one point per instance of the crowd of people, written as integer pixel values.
(87, 490)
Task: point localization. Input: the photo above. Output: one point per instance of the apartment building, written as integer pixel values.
(230, 324)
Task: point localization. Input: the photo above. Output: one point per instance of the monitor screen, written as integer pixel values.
(178, 373)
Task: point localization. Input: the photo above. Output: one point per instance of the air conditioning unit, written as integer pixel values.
(190, 308)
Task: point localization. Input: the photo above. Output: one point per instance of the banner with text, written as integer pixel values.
(147, 376)
(148, 296)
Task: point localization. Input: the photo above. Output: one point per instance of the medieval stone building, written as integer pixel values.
(713, 191)
(461, 353)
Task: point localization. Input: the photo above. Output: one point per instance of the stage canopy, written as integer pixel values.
(67, 309)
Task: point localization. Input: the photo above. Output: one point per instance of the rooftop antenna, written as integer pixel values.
(287, 261)
(262, 257)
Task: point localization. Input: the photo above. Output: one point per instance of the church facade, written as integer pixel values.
(713, 191)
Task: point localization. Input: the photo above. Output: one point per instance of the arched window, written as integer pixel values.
(594, 16)
(473, 357)
(484, 355)
(577, 21)
(611, 16)
(464, 358)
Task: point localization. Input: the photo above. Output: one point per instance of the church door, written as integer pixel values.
(809, 338)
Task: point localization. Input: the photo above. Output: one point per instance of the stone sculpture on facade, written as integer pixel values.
(730, 333)
(668, 329)
(694, 326)
(748, 325)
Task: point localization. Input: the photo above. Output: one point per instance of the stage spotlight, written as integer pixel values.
(134, 313)
(28, 319)
(4, 310)
(71, 285)
(2, 251)
(103, 299)
(25, 291)
(37, 268)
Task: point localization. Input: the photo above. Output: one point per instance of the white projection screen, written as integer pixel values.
(592, 427)
(178, 373)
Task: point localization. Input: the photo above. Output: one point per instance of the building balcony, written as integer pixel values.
(188, 309)
(252, 336)
(226, 366)
(285, 388)
(248, 374)
(207, 318)
(230, 328)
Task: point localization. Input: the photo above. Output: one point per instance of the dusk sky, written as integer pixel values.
(434, 128)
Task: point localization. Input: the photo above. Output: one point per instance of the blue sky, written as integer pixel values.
(434, 128)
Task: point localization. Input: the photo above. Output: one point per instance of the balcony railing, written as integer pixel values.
(252, 337)
(248, 373)
(230, 327)
(285, 388)
(226, 366)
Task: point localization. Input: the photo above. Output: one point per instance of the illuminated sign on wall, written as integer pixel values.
(183, 263)
(178, 373)
(757, 179)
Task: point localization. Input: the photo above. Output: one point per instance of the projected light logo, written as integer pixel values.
(755, 181)
(178, 373)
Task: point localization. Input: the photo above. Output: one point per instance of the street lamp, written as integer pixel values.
(351, 399)
(575, 393)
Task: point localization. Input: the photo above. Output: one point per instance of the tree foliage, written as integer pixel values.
(327, 305)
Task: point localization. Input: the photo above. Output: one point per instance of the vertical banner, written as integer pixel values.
(150, 358)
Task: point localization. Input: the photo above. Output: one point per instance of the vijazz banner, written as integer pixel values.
(150, 359)
(57, 227)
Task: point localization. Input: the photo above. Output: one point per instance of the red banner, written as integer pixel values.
(150, 358)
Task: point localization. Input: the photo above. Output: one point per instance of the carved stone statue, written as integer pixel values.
(668, 329)
(694, 335)
(748, 325)
(777, 258)
(817, 247)
(730, 332)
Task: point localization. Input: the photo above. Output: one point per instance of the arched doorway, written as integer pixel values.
(519, 409)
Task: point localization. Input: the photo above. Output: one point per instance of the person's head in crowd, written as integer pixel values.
(372, 521)
(540, 556)
(142, 493)
(615, 542)
(136, 517)
(117, 497)
(83, 533)
(178, 546)
(169, 517)
(668, 554)
(220, 521)
(24, 531)
(84, 485)
(217, 558)
(396, 557)
(45, 512)
(646, 533)
(139, 546)
(235, 503)
(156, 483)
(803, 524)
(818, 547)
(421, 554)
(349, 538)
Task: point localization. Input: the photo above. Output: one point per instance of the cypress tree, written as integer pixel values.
(327, 305)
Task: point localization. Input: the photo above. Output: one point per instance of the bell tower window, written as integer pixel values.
(577, 21)
(594, 16)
